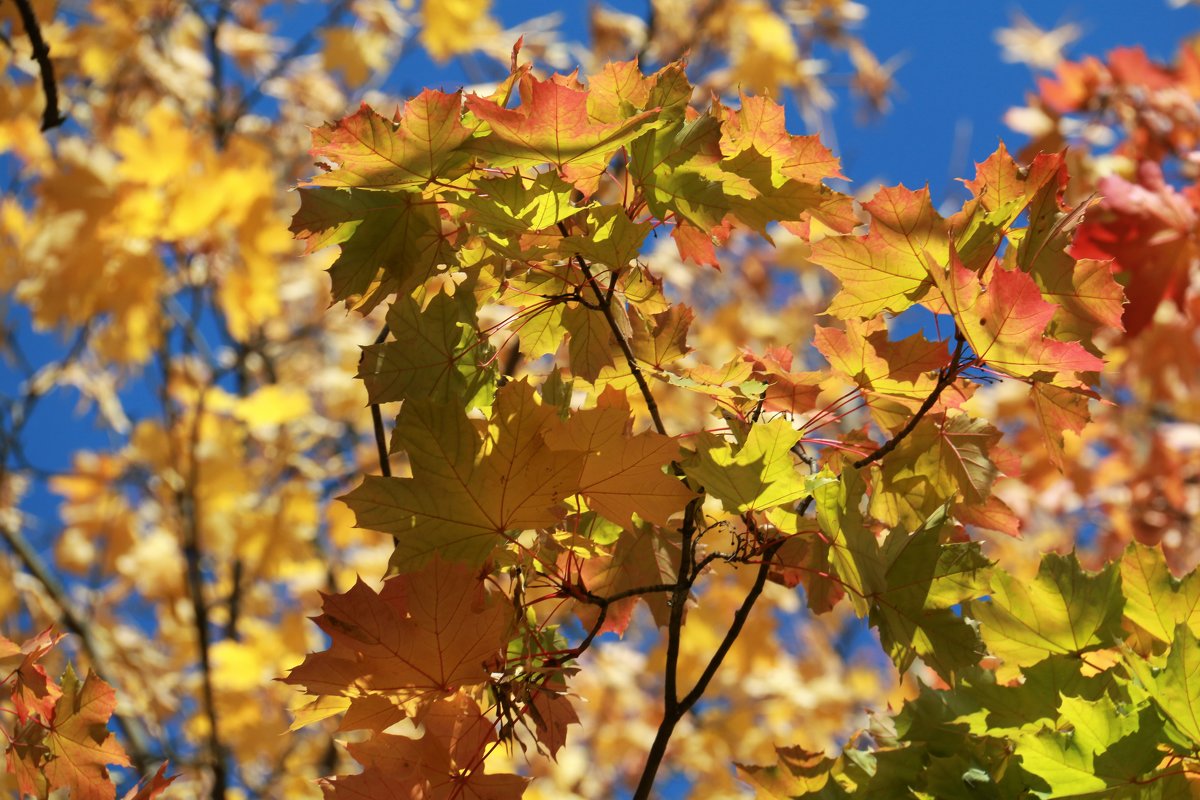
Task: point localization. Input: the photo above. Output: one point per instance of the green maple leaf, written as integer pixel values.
(396, 237)
(760, 475)
(611, 239)
(436, 355)
(853, 549)
(922, 581)
(468, 491)
(1103, 746)
(1176, 688)
(1064, 610)
(991, 709)
(1156, 600)
(590, 346)
(502, 207)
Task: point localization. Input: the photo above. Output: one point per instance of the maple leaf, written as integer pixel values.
(371, 151)
(644, 556)
(1148, 230)
(397, 234)
(1059, 409)
(550, 126)
(153, 786)
(518, 203)
(885, 269)
(853, 550)
(552, 714)
(1084, 290)
(436, 355)
(486, 487)
(445, 763)
(612, 239)
(759, 125)
(33, 691)
(1002, 184)
(373, 712)
(1155, 600)
(1176, 688)
(80, 745)
(895, 376)
(425, 634)
(760, 475)
(793, 392)
(1064, 610)
(662, 338)
(804, 560)
(591, 346)
(622, 475)
(940, 460)
(1107, 747)
(923, 580)
(1005, 325)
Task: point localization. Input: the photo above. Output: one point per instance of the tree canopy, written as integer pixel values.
(584, 431)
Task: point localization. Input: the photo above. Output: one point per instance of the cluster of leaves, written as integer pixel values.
(534, 216)
(1132, 128)
(59, 737)
(1095, 693)
(150, 233)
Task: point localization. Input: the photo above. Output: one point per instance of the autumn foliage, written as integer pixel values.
(590, 418)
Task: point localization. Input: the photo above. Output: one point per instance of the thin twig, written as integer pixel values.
(187, 501)
(945, 378)
(385, 464)
(51, 117)
(219, 127)
(622, 343)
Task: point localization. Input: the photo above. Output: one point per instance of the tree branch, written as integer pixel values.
(675, 710)
(626, 350)
(683, 585)
(51, 117)
(189, 511)
(945, 378)
(219, 127)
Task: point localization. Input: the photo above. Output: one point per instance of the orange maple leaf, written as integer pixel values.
(447, 763)
(80, 745)
(425, 634)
